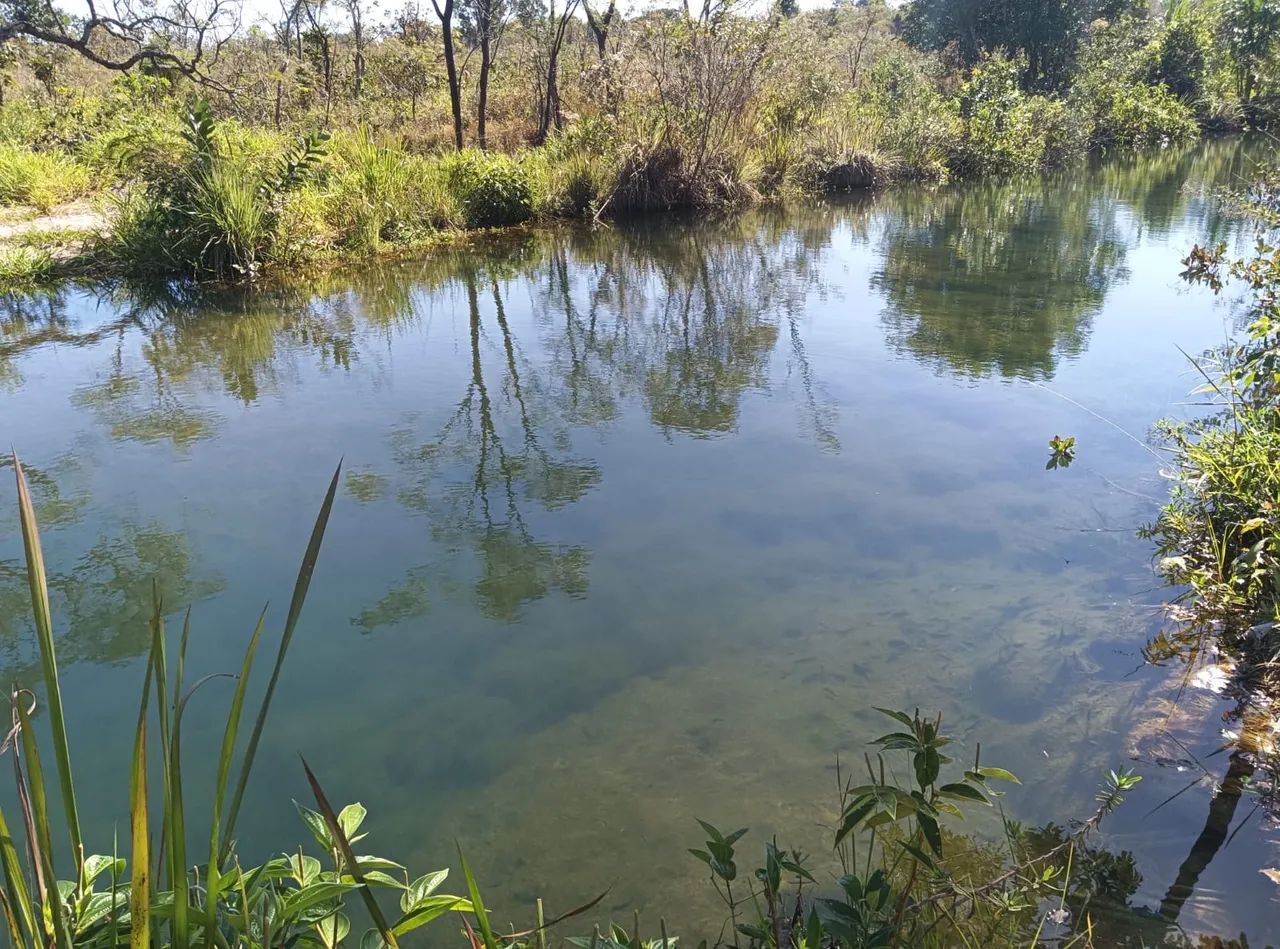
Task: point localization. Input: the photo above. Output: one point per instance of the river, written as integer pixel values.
(639, 523)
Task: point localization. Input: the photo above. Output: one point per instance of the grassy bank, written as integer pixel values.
(1219, 536)
(661, 111)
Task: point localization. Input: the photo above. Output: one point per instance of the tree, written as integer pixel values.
(1252, 30)
(185, 36)
(483, 23)
(554, 28)
(1047, 31)
(317, 41)
(600, 24)
(355, 12)
(445, 13)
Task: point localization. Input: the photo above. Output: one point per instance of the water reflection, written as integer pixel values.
(1034, 258)
(104, 595)
(656, 504)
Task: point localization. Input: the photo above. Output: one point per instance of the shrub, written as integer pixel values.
(1005, 131)
(213, 216)
(572, 186)
(492, 190)
(40, 178)
(1141, 115)
(1181, 64)
(908, 118)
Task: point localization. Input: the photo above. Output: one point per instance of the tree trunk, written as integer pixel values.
(445, 14)
(482, 89)
(550, 114)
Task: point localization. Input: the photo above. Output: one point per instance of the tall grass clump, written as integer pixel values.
(24, 266)
(213, 213)
(39, 178)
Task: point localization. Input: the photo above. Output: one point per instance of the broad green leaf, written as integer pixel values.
(421, 888)
(902, 717)
(1000, 774)
(316, 824)
(304, 868)
(964, 792)
(429, 908)
(350, 818)
(299, 901)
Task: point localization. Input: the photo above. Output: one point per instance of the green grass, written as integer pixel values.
(20, 266)
(40, 178)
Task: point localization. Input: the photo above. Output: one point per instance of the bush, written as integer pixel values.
(1006, 131)
(1141, 115)
(40, 178)
(492, 190)
(214, 216)
(1181, 64)
(370, 190)
(572, 186)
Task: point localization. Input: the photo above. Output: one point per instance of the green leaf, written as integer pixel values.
(349, 858)
(1000, 774)
(96, 865)
(350, 818)
(902, 717)
(421, 888)
(429, 908)
(316, 824)
(711, 830)
(898, 741)
(333, 929)
(299, 901)
(304, 868)
(922, 857)
(964, 792)
(927, 765)
(477, 903)
(300, 587)
(929, 828)
(38, 585)
(378, 863)
(854, 815)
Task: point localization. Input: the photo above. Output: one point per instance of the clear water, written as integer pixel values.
(638, 524)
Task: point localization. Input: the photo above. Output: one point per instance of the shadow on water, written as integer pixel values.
(644, 519)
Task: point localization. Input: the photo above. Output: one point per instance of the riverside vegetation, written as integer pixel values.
(217, 153)
(1219, 537)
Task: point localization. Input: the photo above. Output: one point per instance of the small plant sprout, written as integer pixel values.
(1062, 451)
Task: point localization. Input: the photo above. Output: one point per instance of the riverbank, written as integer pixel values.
(187, 190)
(1218, 538)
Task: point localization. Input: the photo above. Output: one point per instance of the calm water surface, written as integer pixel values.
(637, 524)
